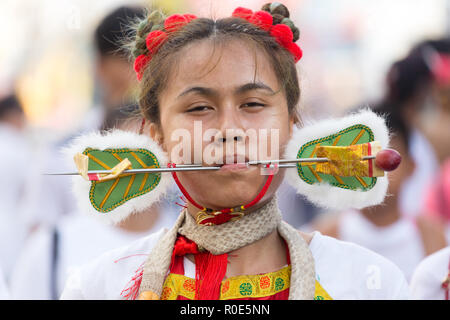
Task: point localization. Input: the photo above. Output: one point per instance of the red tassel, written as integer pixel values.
(209, 272)
(209, 269)
(132, 288)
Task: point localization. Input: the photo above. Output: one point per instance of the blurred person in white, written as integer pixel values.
(14, 163)
(53, 252)
(4, 291)
(403, 239)
(412, 86)
(437, 203)
(431, 279)
(113, 101)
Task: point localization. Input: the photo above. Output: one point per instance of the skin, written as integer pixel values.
(117, 80)
(429, 112)
(435, 122)
(15, 119)
(219, 104)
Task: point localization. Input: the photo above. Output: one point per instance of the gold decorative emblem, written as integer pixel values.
(209, 214)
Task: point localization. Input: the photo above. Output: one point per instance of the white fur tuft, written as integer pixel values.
(116, 139)
(324, 194)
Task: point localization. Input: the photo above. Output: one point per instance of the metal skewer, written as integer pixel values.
(283, 163)
(299, 160)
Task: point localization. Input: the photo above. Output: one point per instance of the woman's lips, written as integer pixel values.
(233, 167)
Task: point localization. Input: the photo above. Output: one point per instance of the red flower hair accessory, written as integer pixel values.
(157, 37)
(262, 19)
(296, 51)
(176, 21)
(281, 32)
(440, 68)
(243, 13)
(139, 65)
(154, 40)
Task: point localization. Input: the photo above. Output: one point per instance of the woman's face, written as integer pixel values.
(216, 106)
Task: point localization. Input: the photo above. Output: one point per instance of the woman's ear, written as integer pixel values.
(292, 121)
(156, 135)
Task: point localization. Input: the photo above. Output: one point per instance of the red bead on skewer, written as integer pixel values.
(388, 159)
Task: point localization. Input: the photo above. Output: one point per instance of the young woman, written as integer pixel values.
(231, 75)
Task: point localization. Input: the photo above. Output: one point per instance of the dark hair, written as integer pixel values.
(395, 121)
(9, 104)
(220, 32)
(408, 76)
(114, 28)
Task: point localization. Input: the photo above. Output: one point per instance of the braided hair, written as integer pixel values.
(280, 15)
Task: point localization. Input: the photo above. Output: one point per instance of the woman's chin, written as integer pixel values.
(227, 197)
(225, 189)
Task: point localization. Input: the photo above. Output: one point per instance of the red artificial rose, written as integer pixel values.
(283, 34)
(262, 19)
(189, 17)
(154, 40)
(139, 64)
(295, 50)
(175, 22)
(243, 13)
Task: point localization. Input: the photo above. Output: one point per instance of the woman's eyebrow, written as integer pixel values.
(254, 86)
(239, 90)
(199, 90)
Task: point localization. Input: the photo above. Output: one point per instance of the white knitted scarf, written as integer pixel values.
(229, 236)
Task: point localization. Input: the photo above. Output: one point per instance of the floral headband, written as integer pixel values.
(262, 19)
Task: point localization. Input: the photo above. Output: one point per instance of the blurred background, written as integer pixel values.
(47, 51)
(49, 59)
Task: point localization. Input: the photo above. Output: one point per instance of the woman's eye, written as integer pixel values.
(198, 108)
(253, 104)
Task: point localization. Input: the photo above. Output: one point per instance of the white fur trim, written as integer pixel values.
(116, 139)
(324, 194)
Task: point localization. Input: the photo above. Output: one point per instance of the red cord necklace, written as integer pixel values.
(214, 217)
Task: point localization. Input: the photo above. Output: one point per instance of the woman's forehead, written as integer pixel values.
(224, 66)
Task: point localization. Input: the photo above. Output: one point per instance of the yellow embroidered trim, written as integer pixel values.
(336, 137)
(344, 161)
(320, 293)
(251, 286)
(109, 192)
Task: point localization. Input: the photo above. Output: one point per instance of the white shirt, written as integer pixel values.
(4, 291)
(81, 239)
(411, 195)
(426, 283)
(345, 271)
(399, 242)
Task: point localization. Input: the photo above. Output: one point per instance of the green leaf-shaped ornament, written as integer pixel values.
(356, 134)
(107, 195)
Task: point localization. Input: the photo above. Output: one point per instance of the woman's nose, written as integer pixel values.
(230, 126)
(236, 137)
